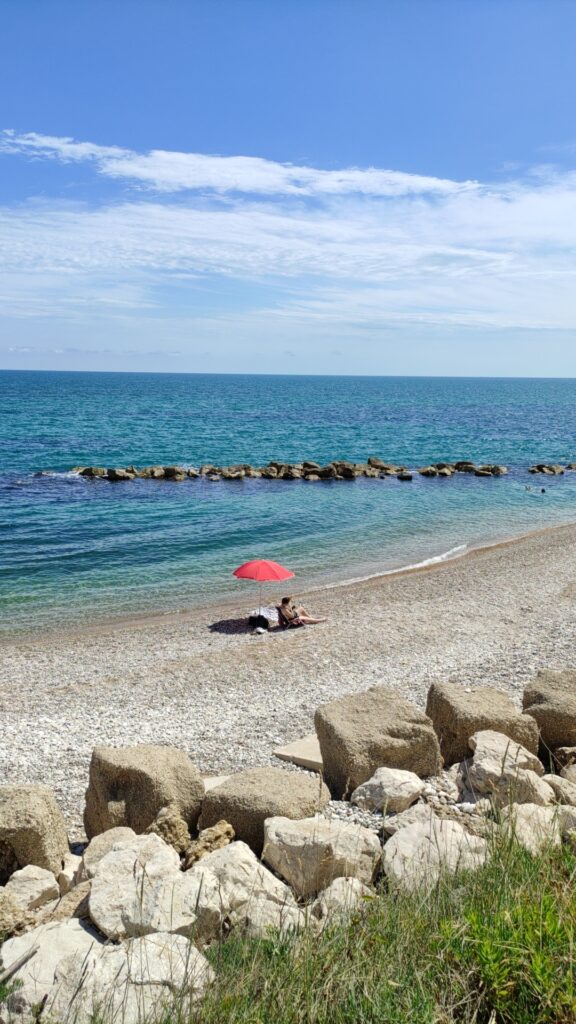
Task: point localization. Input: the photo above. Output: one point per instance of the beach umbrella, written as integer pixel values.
(262, 570)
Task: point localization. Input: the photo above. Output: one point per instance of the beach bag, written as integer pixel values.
(258, 621)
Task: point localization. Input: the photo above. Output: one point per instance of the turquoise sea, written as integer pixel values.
(73, 551)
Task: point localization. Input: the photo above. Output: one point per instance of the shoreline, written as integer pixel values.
(142, 620)
(202, 683)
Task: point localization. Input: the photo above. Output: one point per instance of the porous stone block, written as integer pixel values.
(551, 700)
(32, 829)
(247, 799)
(458, 712)
(365, 731)
(128, 786)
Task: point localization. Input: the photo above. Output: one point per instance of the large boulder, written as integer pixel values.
(32, 830)
(551, 700)
(253, 899)
(533, 826)
(247, 799)
(100, 845)
(130, 785)
(389, 790)
(311, 853)
(564, 790)
(495, 756)
(420, 854)
(71, 940)
(420, 814)
(365, 731)
(458, 712)
(342, 898)
(138, 889)
(141, 980)
(32, 887)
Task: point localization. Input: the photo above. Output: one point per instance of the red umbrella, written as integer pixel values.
(263, 571)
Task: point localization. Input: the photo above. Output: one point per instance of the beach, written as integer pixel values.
(199, 682)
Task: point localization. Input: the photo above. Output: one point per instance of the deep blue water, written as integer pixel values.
(73, 550)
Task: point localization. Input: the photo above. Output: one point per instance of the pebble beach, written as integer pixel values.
(199, 681)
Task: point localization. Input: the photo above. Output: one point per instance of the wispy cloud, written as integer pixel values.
(167, 171)
(209, 244)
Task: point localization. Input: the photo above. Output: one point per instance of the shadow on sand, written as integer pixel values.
(230, 626)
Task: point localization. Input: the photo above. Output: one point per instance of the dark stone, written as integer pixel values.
(116, 475)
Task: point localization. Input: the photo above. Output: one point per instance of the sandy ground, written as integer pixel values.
(203, 684)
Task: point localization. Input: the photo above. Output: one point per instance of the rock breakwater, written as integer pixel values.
(310, 471)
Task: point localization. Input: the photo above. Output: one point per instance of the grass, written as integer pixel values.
(491, 947)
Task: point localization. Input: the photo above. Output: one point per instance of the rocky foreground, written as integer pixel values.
(120, 926)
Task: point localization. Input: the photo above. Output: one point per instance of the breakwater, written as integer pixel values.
(339, 469)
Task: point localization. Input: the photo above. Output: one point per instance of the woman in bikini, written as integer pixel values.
(297, 616)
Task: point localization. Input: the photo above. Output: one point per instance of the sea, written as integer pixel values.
(75, 551)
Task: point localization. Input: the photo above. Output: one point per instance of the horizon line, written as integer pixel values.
(262, 373)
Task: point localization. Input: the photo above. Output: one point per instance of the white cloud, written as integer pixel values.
(291, 249)
(167, 171)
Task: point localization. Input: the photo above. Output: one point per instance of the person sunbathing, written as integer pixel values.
(294, 615)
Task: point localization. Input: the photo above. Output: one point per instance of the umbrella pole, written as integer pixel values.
(260, 602)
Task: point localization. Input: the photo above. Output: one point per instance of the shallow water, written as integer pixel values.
(73, 550)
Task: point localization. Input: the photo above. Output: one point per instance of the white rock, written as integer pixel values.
(312, 852)
(533, 826)
(184, 903)
(417, 814)
(419, 854)
(564, 790)
(71, 873)
(32, 887)
(566, 820)
(101, 845)
(496, 755)
(132, 983)
(522, 786)
(69, 940)
(241, 876)
(340, 899)
(389, 789)
(251, 897)
(138, 888)
(260, 916)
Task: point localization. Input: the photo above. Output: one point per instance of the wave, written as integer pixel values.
(65, 474)
(454, 552)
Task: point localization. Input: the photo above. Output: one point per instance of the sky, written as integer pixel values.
(296, 186)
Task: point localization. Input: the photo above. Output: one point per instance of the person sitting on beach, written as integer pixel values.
(296, 616)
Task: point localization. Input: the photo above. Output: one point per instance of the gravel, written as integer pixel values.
(228, 698)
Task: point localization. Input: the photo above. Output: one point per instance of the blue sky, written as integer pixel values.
(296, 186)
